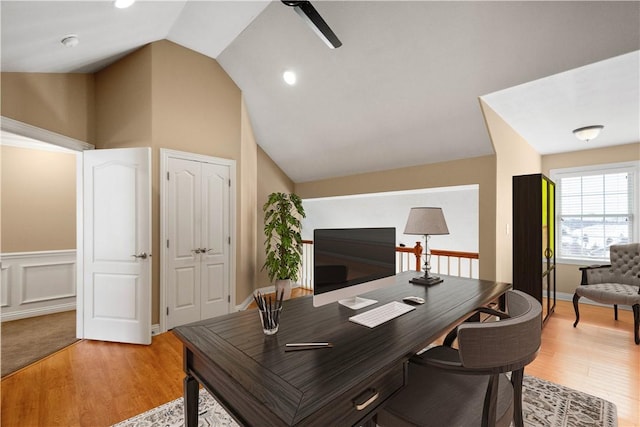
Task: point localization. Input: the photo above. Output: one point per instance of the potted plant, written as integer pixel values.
(283, 243)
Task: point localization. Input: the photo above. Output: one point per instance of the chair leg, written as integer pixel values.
(636, 322)
(490, 402)
(516, 381)
(576, 297)
(615, 311)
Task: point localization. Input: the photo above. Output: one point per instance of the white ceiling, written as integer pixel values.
(402, 90)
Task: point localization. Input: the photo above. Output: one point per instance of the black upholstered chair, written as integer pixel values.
(468, 386)
(617, 283)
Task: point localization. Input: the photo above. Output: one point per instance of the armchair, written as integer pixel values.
(617, 283)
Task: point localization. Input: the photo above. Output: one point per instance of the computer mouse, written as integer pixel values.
(413, 300)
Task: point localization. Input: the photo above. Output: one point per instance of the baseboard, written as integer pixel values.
(155, 329)
(23, 314)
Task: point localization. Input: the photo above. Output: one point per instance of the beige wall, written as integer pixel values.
(248, 238)
(479, 170)
(514, 156)
(38, 200)
(568, 275)
(62, 103)
(270, 179)
(166, 96)
(123, 107)
(161, 96)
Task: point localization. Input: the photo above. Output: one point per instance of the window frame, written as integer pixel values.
(556, 176)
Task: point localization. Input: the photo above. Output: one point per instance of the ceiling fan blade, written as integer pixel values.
(309, 13)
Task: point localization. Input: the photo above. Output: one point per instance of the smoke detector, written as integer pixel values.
(70, 41)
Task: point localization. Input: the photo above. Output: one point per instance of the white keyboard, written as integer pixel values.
(379, 315)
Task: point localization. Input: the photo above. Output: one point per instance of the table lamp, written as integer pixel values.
(427, 221)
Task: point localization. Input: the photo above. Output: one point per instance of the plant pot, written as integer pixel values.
(284, 285)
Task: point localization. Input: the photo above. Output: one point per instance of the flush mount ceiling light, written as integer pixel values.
(70, 41)
(289, 77)
(123, 4)
(588, 133)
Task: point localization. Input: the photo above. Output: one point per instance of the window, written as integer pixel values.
(596, 208)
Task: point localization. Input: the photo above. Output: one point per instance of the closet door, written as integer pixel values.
(215, 240)
(198, 241)
(183, 243)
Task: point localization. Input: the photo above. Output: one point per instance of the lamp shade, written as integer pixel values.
(427, 221)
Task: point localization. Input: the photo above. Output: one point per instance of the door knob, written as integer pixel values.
(142, 255)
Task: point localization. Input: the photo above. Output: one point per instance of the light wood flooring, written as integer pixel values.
(98, 384)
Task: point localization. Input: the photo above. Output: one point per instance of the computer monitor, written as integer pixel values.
(352, 261)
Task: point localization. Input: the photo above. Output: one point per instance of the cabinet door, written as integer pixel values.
(552, 246)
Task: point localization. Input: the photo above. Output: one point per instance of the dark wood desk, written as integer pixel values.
(260, 385)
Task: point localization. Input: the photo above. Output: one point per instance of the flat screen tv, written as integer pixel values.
(351, 261)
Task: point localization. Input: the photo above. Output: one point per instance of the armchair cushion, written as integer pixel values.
(610, 293)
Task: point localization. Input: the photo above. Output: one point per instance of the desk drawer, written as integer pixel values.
(352, 407)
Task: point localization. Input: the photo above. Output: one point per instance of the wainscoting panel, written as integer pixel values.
(37, 283)
(4, 285)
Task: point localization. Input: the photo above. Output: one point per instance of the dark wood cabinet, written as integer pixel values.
(534, 258)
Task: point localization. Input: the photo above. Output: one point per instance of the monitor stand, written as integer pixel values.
(357, 303)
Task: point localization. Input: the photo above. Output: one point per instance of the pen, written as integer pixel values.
(309, 344)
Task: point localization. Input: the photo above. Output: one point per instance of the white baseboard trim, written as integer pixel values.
(563, 296)
(23, 314)
(155, 329)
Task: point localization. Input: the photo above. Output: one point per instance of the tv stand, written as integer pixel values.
(356, 303)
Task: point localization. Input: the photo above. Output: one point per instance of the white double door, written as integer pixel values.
(198, 241)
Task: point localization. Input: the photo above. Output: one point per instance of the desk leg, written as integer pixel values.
(191, 391)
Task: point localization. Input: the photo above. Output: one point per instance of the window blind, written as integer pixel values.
(595, 211)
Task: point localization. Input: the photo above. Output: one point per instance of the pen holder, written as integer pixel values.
(270, 319)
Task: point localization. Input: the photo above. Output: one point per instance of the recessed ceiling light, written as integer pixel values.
(70, 41)
(123, 4)
(289, 77)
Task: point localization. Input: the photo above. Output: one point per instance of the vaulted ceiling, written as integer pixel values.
(403, 89)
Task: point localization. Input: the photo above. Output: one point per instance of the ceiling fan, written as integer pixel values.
(315, 21)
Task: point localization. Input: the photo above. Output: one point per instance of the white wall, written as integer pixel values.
(459, 204)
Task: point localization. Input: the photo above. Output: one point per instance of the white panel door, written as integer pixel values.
(117, 244)
(198, 231)
(183, 290)
(215, 240)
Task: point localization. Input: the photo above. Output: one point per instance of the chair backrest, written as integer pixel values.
(504, 345)
(625, 264)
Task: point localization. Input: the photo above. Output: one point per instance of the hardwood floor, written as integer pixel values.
(94, 383)
(598, 357)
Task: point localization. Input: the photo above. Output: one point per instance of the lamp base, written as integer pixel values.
(426, 281)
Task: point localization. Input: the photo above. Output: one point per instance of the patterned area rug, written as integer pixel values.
(545, 404)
